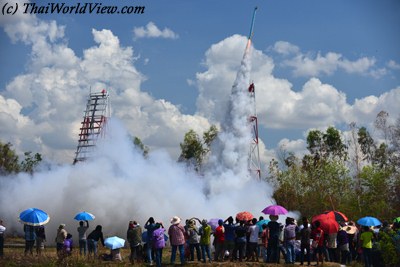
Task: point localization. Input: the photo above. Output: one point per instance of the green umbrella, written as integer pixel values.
(397, 220)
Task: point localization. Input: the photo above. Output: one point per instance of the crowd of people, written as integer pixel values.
(229, 239)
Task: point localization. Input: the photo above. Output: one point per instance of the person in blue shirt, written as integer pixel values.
(30, 238)
(229, 235)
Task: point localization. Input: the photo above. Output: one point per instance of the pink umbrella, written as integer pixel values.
(274, 210)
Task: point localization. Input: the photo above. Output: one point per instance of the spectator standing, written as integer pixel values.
(30, 238)
(352, 234)
(253, 231)
(343, 244)
(193, 239)
(229, 243)
(289, 236)
(159, 242)
(2, 231)
(318, 236)
(150, 226)
(82, 229)
(273, 242)
(305, 238)
(366, 239)
(240, 241)
(134, 237)
(60, 238)
(219, 239)
(205, 240)
(40, 239)
(176, 234)
(264, 241)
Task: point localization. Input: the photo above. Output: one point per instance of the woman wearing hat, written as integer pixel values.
(176, 234)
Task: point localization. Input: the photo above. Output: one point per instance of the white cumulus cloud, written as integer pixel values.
(152, 31)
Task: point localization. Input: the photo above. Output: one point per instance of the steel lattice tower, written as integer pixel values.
(93, 124)
(254, 153)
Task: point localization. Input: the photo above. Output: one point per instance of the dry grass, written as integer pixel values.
(14, 256)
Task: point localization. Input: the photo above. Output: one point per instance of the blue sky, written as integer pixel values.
(315, 64)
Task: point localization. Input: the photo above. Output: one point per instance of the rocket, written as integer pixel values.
(252, 23)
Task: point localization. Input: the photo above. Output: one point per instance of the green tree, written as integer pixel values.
(367, 143)
(376, 192)
(194, 150)
(139, 145)
(9, 161)
(30, 162)
(326, 145)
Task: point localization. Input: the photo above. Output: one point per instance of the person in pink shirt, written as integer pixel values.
(176, 234)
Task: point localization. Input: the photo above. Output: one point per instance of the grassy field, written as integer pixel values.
(14, 256)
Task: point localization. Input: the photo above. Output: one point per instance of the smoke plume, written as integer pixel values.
(118, 184)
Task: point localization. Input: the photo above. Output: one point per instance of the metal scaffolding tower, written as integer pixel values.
(93, 124)
(254, 153)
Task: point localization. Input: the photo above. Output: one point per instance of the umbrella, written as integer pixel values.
(34, 216)
(260, 223)
(274, 210)
(396, 220)
(144, 237)
(213, 223)
(114, 242)
(244, 216)
(350, 229)
(327, 223)
(84, 216)
(369, 221)
(337, 215)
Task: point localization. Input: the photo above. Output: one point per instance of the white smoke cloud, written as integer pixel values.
(118, 185)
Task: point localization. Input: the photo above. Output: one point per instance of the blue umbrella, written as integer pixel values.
(34, 217)
(369, 221)
(114, 242)
(84, 216)
(260, 224)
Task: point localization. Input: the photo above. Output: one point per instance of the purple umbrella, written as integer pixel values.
(274, 210)
(213, 223)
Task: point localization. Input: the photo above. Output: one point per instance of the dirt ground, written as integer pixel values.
(14, 256)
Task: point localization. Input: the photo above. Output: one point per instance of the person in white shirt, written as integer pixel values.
(253, 232)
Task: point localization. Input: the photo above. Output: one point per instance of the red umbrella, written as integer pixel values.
(336, 215)
(244, 216)
(328, 224)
